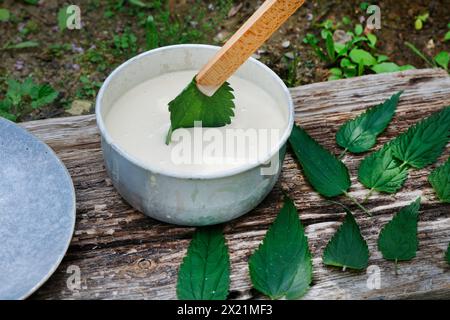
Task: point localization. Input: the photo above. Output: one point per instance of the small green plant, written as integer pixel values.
(21, 98)
(34, 2)
(441, 60)
(151, 34)
(62, 18)
(420, 20)
(88, 89)
(447, 35)
(291, 78)
(125, 43)
(353, 55)
(19, 45)
(4, 15)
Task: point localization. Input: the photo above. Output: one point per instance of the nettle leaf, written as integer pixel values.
(424, 142)
(282, 266)
(327, 175)
(192, 105)
(439, 178)
(347, 248)
(382, 172)
(398, 239)
(360, 134)
(205, 271)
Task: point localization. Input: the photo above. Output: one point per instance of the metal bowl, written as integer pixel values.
(188, 199)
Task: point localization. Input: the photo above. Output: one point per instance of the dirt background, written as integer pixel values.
(75, 62)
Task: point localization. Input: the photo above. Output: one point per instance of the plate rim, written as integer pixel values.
(73, 211)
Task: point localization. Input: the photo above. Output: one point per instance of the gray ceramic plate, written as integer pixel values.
(37, 212)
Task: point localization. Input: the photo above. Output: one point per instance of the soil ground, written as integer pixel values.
(75, 62)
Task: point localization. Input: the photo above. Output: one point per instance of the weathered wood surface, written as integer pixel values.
(123, 254)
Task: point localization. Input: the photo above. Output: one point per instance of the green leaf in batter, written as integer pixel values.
(440, 180)
(192, 105)
(205, 271)
(398, 239)
(347, 248)
(281, 266)
(382, 172)
(327, 175)
(360, 134)
(424, 142)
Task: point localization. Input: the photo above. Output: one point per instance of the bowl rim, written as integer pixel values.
(191, 175)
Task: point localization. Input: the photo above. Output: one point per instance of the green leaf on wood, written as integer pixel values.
(327, 175)
(380, 171)
(440, 180)
(281, 266)
(192, 105)
(360, 134)
(424, 142)
(347, 248)
(205, 271)
(398, 239)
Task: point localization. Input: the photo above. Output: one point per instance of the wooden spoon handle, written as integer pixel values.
(261, 25)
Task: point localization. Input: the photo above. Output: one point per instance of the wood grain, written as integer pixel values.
(124, 255)
(253, 33)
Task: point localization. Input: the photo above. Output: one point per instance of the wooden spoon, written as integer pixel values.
(261, 25)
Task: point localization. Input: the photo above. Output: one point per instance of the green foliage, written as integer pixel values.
(382, 172)
(4, 15)
(398, 239)
(62, 18)
(354, 55)
(424, 142)
(88, 88)
(192, 105)
(441, 60)
(326, 174)
(20, 45)
(440, 180)
(360, 134)
(291, 78)
(447, 35)
(282, 266)
(420, 20)
(141, 4)
(151, 34)
(125, 43)
(205, 271)
(347, 248)
(21, 98)
(34, 2)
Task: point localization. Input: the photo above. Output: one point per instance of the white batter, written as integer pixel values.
(138, 123)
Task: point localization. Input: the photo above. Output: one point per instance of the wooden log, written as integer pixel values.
(122, 254)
